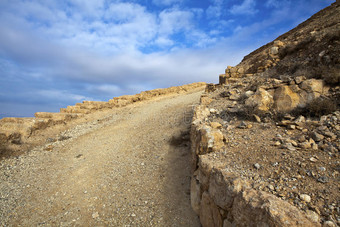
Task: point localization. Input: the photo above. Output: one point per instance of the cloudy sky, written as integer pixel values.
(55, 53)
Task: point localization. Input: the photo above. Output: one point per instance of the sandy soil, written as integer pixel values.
(129, 168)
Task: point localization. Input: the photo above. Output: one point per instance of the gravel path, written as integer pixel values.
(121, 170)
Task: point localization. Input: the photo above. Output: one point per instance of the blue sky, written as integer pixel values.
(57, 53)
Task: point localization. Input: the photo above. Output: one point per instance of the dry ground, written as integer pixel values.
(129, 168)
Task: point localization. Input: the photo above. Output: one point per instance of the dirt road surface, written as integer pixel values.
(130, 168)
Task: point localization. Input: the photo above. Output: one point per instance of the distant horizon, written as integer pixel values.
(55, 54)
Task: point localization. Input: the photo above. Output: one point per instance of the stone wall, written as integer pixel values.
(223, 198)
(15, 130)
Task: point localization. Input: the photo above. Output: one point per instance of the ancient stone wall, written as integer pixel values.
(223, 198)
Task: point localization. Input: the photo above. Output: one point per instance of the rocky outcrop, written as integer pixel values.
(282, 97)
(17, 130)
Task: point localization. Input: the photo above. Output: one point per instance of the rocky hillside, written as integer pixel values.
(266, 139)
(311, 50)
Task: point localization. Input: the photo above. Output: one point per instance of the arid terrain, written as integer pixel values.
(129, 168)
(261, 148)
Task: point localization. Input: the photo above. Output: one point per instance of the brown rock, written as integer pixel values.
(215, 125)
(195, 194)
(261, 207)
(313, 85)
(224, 186)
(209, 214)
(206, 100)
(261, 100)
(285, 99)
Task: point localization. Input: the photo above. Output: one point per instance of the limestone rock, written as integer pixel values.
(195, 194)
(215, 125)
(274, 50)
(224, 187)
(261, 100)
(209, 215)
(285, 99)
(260, 207)
(313, 85)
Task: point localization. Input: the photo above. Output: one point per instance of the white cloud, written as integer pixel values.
(215, 10)
(247, 7)
(166, 2)
(174, 20)
(61, 95)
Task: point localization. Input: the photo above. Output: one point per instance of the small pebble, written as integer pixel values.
(305, 198)
(95, 215)
(257, 165)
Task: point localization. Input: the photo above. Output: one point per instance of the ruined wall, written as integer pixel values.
(222, 197)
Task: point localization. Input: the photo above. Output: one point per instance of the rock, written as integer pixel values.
(315, 146)
(305, 198)
(323, 179)
(209, 213)
(299, 79)
(257, 166)
(274, 50)
(329, 224)
(242, 125)
(206, 100)
(215, 125)
(195, 194)
(302, 139)
(227, 223)
(323, 169)
(289, 146)
(329, 134)
(95, 215)
(249, 93)
(291, 127)
(317, 137)
(285, 99)
(278, 43)
(313, 216)
(223, 79)
(313, 86)
(305, 145)
(213, 111)
(257, 118)
(224, 186)
(312, 159)
(271, 187)
(300, 120)
(261, 100)
(277, 143)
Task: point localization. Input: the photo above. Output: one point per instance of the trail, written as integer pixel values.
(122, 170)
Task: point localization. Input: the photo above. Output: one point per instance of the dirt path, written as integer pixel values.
(119, 171)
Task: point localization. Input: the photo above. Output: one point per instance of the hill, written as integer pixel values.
(265, 140)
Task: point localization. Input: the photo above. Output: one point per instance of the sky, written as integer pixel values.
(55, 53)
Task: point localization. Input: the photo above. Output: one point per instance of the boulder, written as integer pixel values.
(313, 86)
(285, 99)
(261, 100)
